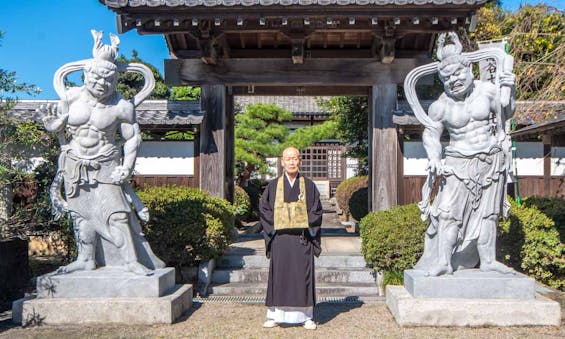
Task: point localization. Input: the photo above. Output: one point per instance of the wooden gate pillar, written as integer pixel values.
(217, 141)
(383, 148)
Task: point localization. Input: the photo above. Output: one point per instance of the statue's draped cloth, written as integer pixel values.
(92, 198)
(88, 184)
(472, 193)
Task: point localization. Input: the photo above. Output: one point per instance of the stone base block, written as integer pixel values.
(410, 311)
(105, 282)
(470, 284)
(51, 311)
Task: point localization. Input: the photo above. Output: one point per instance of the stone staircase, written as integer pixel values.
(340, 270)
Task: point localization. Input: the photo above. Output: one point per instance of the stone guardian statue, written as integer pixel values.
(473, 167)
(100, 138)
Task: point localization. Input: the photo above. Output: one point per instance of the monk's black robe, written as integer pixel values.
(291, 252)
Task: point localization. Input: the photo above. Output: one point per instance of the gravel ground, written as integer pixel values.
(241, 320)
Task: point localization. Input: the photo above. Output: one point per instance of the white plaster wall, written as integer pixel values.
(529, 158)
(323, 188)
(165, 158)
(272, 162)
(351, 167)
(558, 161)
(415, 158)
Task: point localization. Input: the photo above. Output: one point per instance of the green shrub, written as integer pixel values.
(359, 203)
(393, 240)
(241, 203)
(345, 191)
(529, 242)
(186, 225)
(254, 189)
(554, 208)
(393, 278)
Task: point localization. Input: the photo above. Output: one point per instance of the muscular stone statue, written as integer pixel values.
(96, 163)
(475, 165)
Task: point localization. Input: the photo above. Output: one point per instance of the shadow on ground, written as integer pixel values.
(326, 311)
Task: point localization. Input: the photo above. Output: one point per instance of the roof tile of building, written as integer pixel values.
(230, 3)
(163, 112)
(150, 112)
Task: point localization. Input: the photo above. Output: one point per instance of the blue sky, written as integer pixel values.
(42, 35)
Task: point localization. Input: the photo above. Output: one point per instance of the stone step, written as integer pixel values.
(323, 275)
(341, 260)
(358, 289)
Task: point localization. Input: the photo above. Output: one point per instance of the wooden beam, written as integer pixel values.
(315, 53)
(383, 148)
(547, 164)
(209, 55)
(282, 72)
(216, 141)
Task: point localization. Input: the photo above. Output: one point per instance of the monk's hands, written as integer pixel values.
(120, 174)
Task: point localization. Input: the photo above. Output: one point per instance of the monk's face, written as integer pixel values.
(291, 161)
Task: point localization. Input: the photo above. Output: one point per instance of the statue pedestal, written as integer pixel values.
(470, 284)
(470, 298)
(105, 295)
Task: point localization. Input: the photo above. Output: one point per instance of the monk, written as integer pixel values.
(291, 215)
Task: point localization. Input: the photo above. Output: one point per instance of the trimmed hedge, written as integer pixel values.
(351, 196)
(241, 203)
(393, 240)
(186, 225)
(529, 242)
(554, 208)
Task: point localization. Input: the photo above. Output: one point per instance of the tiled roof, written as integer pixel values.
(163, 112)
(298, 105)
(150, 112)
(230, 3)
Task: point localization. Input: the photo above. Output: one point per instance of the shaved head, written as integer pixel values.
(290, 161)
(290, 151)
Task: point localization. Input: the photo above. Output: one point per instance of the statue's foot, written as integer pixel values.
(78, 265)
(496, 267)
(439, 270)
(138, 268)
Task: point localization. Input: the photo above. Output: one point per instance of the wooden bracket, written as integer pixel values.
(297, 51)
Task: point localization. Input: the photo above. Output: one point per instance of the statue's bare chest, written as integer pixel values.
(461, 113)
(83, 114)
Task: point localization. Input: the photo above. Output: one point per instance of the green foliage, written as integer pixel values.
(306, 136)
(359, 203)
(350, 114)
(554, 208)
(345, 193)
(241, 203)
(186, 225)
(529, 241)
(185, 93)
(254, 190)
(535, 36)
(393, 278)
(259, 134)
(393, 240)
(130, 83)
(488, 24)
(179, 135)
